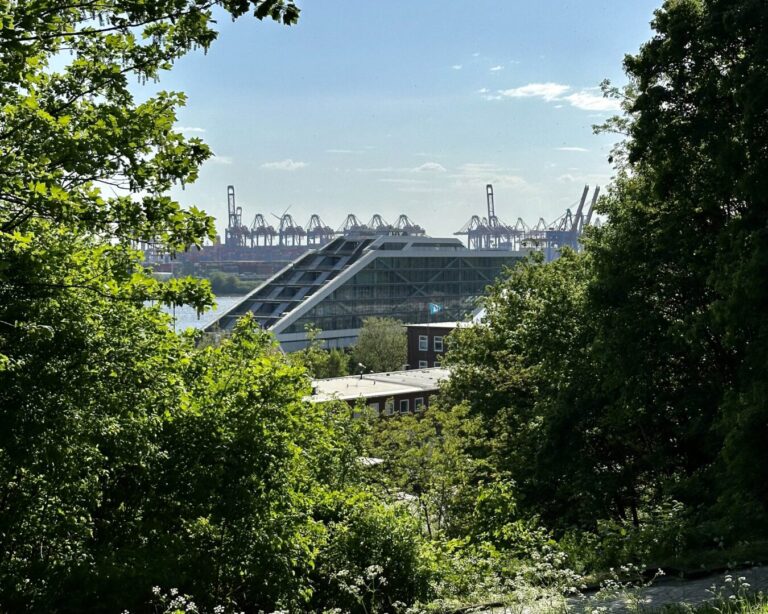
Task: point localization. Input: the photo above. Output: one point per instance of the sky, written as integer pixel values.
(408, 107)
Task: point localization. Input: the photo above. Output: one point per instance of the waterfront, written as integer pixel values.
(186, 316)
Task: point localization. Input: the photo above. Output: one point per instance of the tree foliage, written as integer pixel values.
(129, 457)
(319, 362)
(621, 380)
(381, 346)
(431, 457)
(525, 368)
(372, 559)
(702, 85)
(695, 184)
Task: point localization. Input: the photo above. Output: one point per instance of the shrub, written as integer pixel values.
(373, 558)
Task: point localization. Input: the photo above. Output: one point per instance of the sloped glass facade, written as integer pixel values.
(351, 278)
(402, 287)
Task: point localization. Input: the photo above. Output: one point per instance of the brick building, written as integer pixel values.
(427, 343)
(394, 392)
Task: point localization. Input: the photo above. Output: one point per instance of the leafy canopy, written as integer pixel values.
(632, 378)
(78, 151)
(381, 346)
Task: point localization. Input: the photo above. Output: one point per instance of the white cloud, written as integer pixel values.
(486, 94)
(571, 149)
(547, 91)
(457, 67)
(190, 129)
(567, 178)
(476, 54)
(284, 165)
(475, 174)
(221, 160)
(427, 167)
(497, 68)
(586, 101)
(478, 168)
(430, 167)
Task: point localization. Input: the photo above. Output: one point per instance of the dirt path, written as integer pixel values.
(668, 591)
(650, 599)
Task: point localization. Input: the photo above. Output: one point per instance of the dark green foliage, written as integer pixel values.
(524, 369)
(632, 378)
(697, 152)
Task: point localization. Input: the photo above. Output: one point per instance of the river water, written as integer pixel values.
(187, 317)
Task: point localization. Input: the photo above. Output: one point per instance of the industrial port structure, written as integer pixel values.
(482, 232)
(261, 248)
(492, 233)
(260, 233)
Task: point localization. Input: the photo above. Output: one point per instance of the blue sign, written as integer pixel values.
(434, 308)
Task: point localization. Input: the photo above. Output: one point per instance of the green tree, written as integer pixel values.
(372, 559)
(245, 461)
(120, 439)
(634, 375)
(681, 267)
(130, 458)
(65, 134)
(381, 346)
(528, 371)
(431, 456)
(319, 362)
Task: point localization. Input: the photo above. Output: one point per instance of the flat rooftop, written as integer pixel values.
(459, 324)
(389, 384)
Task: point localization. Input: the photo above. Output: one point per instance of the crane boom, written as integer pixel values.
(492, 221)
(592, 206)
(576, 227)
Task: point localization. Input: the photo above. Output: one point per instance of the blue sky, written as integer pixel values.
(408, 107)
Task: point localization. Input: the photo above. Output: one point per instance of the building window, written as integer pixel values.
(437, 363)
(389, 407)
(418, 404)
(373, 408)
(423, 364)
(438, 344)
(404, 406)
(423, 343)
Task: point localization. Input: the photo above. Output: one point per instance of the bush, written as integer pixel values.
(661, 537)
(374, 558)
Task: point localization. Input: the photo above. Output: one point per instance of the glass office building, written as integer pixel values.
(351, 278)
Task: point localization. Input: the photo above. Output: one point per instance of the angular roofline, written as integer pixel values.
(370, 248)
